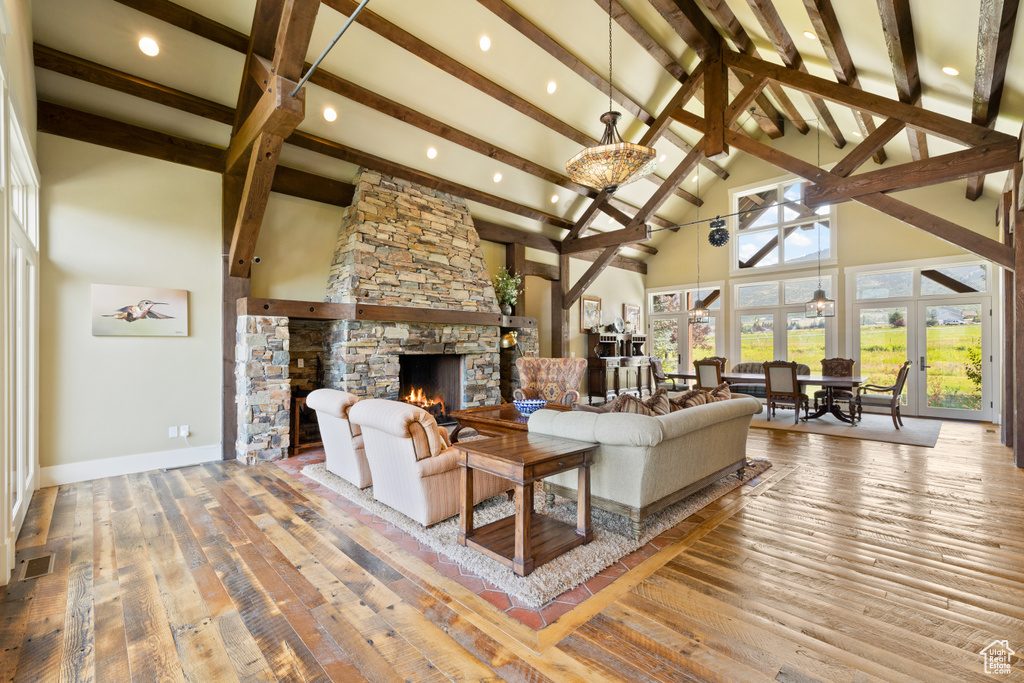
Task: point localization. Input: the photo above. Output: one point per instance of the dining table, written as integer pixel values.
(827, 382)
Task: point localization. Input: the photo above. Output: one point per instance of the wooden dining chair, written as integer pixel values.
(836, 367)
(661, 380)
(709, 372)
(872, 395)
(782, 389)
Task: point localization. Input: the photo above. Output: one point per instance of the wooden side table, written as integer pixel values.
(527, 539)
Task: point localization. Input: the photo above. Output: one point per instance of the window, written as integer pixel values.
(776, 230)
(772, 324)
(673, 339)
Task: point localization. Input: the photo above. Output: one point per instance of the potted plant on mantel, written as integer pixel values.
(506, 288)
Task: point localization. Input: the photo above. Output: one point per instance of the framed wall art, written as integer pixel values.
(590, 313)
(631, 314)
(119, 310)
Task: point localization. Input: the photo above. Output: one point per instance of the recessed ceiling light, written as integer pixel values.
(662, 158)
(554, 199)
(552, 86)
(330, 114)
(497, 177)
(149, 47)
(950, 71)
(431, 153)
(810, 36)
(855, 133)
(485, 43)
(694, 179)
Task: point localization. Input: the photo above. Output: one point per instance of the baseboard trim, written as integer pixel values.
(74, 472)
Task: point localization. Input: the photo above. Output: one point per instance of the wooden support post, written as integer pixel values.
(515, 262)
(1008, 412)
(559, 315)
(1018, 318)
(232, 289)
(716, 98)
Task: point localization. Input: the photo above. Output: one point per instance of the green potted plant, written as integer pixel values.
(506, 288)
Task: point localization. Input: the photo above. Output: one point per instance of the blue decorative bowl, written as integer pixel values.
(527, 406)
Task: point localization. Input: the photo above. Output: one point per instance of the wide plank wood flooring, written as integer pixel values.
(849, 561)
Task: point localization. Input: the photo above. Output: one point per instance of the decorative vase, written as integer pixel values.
(506, 309)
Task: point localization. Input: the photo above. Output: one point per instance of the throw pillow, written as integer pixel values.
(721, 392)
(630, 404)
(689, 399)
(658, 402)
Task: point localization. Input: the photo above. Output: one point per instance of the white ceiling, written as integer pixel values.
(107, 32)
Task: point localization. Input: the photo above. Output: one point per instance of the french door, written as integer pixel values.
(947, 340)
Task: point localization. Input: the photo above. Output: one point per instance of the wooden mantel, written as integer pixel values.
(319, 310)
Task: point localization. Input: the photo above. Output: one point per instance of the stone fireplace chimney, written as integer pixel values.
(402, 244)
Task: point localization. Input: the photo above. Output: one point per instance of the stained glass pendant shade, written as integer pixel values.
(613, 163)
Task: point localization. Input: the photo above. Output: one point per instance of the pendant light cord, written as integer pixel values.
(609, 55)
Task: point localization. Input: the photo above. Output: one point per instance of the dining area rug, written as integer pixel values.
(914, 432)
(612, 539)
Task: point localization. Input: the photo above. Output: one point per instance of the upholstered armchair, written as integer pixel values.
(836, 367)
(883, 397)
(663, 381)
(343, 441)
(415, 470)
(556, 380)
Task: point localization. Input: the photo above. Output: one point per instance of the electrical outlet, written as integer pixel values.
(184, 431)
(302, 362)
(572, 355)
(172, 432)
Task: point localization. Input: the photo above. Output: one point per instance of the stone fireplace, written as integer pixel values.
(400, 245)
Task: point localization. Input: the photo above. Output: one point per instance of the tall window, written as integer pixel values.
(772, 325)
(776, 230)
(673, 339)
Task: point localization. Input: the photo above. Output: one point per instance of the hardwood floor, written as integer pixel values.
(849, 561)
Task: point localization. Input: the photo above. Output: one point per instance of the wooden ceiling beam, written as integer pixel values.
(995, 35)
(957, 235)
(595, 269)
(716, 99)
(275, 112)
(501, 234)
(766, 115)
(620, 238)
(898, 28)
(830, 36)
(190, 21)
(941, 169)
(100, 130)
(933, 123)
(553, 48)
(859, 155)
(733, 30)
(766, 14)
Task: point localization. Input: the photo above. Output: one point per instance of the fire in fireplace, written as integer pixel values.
(432, 382)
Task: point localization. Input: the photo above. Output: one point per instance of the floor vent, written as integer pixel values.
(38, 566)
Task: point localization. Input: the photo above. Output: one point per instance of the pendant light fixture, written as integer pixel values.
(698, 313)
(612, 163)
(820, 306)
(719, 235)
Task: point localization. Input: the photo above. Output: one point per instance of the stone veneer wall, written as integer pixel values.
(365, 356)
(263, 392)
(402, 244)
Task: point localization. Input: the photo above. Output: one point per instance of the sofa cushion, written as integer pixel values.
(698, 397)
(627, 403)
(721, 392)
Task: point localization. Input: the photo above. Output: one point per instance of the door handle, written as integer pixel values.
(922, 365)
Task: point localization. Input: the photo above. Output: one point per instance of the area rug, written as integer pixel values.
(914, 432)
(612, 540)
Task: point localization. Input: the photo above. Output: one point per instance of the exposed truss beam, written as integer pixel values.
(898, 27)
(859, 155)
(493, 232)
(931, 122)
(766, 116)
(766, 14)
(960, 236)
(730, 25)
(995, 35)
(595, 269)
(830, 35)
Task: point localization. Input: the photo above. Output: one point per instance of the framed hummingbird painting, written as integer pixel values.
(119, 310)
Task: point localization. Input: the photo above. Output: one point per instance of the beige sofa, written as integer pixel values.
(645, 464)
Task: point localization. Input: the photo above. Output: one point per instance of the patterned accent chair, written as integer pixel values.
(556, 380)
(709, 372)
(343, 441)
(415, 469)
(782, 389)
(885, 397)
(836, 367)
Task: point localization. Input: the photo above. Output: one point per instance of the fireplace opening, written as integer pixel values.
(432, 382)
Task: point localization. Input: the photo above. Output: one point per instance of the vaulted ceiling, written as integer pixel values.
(410, 75)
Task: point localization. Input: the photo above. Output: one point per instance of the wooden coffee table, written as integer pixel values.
(495, 420)
(527, 539)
